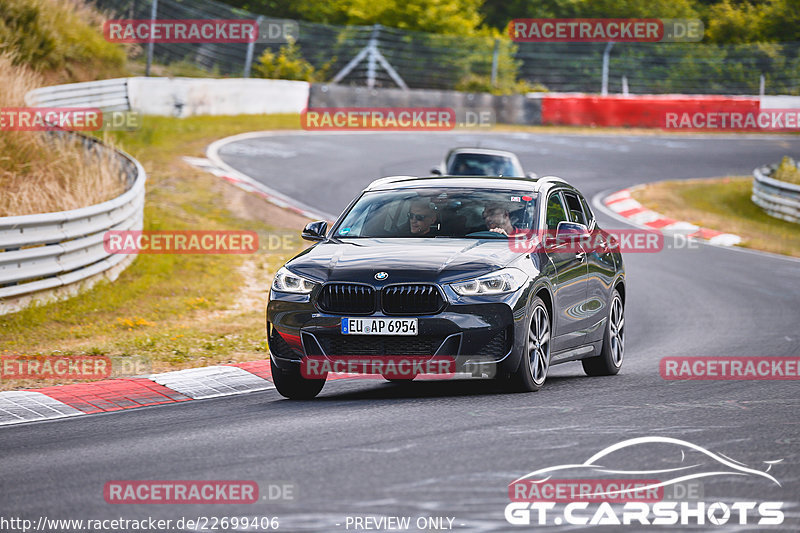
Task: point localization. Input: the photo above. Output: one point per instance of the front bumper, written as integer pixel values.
(482, 337)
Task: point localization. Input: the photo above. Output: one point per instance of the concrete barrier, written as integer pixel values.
(183, 97)
(642, 111)
(511, 109)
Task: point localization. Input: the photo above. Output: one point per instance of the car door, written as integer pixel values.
(569, 280)
(602, 268)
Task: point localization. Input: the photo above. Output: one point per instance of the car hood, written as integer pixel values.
(404, 260)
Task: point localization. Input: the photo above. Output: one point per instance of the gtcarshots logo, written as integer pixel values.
(583, 493)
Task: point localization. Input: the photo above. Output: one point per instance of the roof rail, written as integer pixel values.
(388, 179)
(549, 179)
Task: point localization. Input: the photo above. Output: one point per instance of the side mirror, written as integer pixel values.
(436, 172)
(532, 175)
(315, 231)
(565, 230)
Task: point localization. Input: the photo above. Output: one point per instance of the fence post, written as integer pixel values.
(606, 54)
(762, 85)
(495, 56)
(153, 10)
(248, 61)
(372, 56)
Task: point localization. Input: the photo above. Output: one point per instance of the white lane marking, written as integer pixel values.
(213, 155)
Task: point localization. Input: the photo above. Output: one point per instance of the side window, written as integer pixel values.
(575, 209)
(555, 211)
(589, 214)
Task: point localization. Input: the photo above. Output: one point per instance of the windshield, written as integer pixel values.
(446, 212)
(483, 165)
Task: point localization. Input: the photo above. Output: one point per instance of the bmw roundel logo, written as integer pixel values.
(381, 275)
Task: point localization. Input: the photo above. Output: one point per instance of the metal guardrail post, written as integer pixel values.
(248, 61)
(606, 57)
(495, 57)
(153, 10)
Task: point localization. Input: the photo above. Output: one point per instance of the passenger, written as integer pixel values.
(497, 219)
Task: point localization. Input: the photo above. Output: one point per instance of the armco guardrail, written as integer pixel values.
(108, 95)
(41, 253)
(778, 198)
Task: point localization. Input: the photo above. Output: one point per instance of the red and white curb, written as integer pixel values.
(129, 393)
(623, 205)
(110, 395)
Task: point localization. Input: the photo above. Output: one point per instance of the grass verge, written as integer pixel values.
(723, 204)
(175, 311)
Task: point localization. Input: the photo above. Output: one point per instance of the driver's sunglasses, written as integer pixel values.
(416, 216)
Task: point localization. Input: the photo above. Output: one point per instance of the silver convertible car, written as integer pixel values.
(480, 162)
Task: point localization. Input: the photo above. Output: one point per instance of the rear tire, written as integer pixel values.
(535, 362)
(291, 384)
(612, 353)
(393, 379)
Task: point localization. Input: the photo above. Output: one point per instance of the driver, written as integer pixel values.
(497, 219)
(422, 216)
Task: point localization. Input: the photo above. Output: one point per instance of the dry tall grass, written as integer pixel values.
(40, 173)
(60, 39)
(787, 171)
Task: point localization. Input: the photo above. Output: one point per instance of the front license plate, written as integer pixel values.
(379, 326)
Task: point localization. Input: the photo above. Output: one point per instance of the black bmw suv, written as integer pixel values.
(503, 276)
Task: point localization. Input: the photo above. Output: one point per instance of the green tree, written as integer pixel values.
(288, 64)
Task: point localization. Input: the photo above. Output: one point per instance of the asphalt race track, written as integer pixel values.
(449, 449)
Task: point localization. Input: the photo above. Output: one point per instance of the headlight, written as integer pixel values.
(285, 281)
(500, 282)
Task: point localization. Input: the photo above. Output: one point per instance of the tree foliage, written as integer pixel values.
(726, 21)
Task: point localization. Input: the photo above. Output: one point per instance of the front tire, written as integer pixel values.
(532, 371)
(291, 384)
(609, 361)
